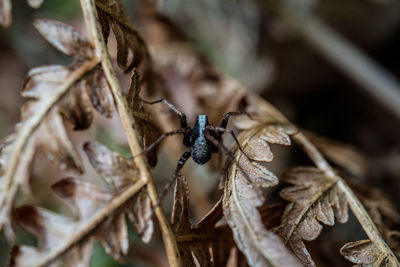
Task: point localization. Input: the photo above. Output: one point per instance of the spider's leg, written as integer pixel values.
(224, 149)
(173, 108)
(171, 181)
(223, 130)
(160, 138)
(228, 115)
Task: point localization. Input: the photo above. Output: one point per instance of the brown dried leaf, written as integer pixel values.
(76, 108)
(240, 203)
(343, 155)
(111, 14)
(22, 176)
(315, 199)
(113, 235)
(256, 140)
(362, 251)
(49, 135)
(52, 139)
(96, 86)
(37, 221)
(88, 200)
(271, 214)
(84, 197)
(204, 243)
(182, 226)
(139, 212)
(55, 90)
(180, 221)
(63, 37)
(42, 80)
(118, 171)
(80, 255)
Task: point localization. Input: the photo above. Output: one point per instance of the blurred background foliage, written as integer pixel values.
(252, 41)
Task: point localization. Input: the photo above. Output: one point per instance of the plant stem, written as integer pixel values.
(128, 123)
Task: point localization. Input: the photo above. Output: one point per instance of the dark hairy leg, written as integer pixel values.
(223, 130)
(171, 181)
(162, 137)
(173, 108)
(224, 149)
(227, 116)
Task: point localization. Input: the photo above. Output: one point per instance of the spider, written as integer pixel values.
(201, 141)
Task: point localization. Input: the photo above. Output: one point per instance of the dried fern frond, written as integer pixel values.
(89, 202)
(242, 197)
(203, 243)
(315, 199)
(56, 92)
(131, 49)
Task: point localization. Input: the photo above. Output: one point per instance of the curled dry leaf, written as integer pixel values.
(96, 86)
(120, 173)
(204, 243)
(55, 92)
(131, 49)
(63, 37)
(37, 221)
(139, 213)
(53, 230)
(241, 200)
(116, 170)
(315, 199)
(93, 86)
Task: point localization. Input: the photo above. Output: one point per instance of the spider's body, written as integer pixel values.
(200, 147)
(201, 141)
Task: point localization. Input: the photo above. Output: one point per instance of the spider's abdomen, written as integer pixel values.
(201, 150)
